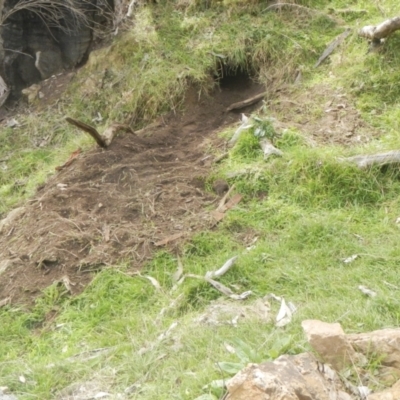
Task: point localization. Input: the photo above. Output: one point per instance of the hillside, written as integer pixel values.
(102, 266)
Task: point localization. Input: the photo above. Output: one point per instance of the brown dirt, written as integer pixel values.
(323, 114)
(116, 205)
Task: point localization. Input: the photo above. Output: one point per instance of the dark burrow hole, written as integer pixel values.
(37, 47)
(234, 78)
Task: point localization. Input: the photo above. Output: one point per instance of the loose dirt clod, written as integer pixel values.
(116, 205)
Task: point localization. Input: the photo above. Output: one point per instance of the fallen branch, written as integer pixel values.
(105, 139)
(332, 46)
(364, 161)
(378, 33)
(247, 102)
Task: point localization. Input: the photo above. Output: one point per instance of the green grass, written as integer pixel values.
(308, 209)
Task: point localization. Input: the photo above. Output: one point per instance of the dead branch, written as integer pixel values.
(90, 130)
(378, 33)
(332, 46)
(364, 161)
(247, 102)
(105, 139)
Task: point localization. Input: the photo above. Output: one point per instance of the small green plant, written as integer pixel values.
(263, 128)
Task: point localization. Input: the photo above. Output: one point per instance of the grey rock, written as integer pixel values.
(4, 396)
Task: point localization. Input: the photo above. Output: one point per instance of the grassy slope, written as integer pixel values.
(317, 212)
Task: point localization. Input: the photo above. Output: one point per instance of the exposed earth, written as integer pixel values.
(147, 190)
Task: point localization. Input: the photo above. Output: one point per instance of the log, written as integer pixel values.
(364, 161)
(378, 33)
(247, 102)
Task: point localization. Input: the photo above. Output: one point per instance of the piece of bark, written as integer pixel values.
(269, 149)
(332, 46)
(103, 140)
(70, 160)
(367, 160)
(219, 213)
(247, 102)
(221, 205)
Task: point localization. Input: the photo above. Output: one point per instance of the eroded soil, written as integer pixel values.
(120, 204)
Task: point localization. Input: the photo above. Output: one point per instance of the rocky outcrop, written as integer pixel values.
(302, 377)
(287, 378)
(385, 343)
(34, 48)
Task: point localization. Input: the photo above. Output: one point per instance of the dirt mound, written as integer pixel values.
(120, 203)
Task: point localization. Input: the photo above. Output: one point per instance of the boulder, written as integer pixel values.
(330, 342)
(384, 344)
(298, 377)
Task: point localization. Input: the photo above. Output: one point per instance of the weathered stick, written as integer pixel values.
(332, 46)
(105, 139)
(268, 149)
(364, 161)
(247, 102)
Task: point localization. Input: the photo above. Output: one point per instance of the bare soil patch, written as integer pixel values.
(324, 115)
(121, 204)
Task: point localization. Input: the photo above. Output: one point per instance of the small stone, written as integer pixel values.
(220, 187)
(330, 342)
